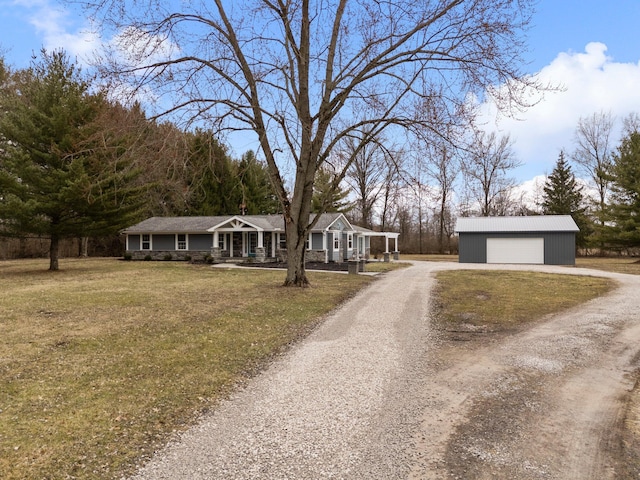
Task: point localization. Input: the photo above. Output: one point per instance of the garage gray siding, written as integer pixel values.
(473, 247)
(559, 247)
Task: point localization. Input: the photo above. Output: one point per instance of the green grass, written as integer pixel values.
(101, 361)
(502, 300)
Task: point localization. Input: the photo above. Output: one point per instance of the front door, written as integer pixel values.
(237, 244)
(253, 243)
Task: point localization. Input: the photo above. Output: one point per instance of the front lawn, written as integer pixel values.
(102, 361)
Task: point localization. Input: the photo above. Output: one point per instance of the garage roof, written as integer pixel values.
(536, 223)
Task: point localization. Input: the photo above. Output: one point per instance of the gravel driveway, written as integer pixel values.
(375, 393)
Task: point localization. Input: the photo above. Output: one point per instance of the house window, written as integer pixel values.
(350, 241)
(182, 241)
(307, 243)
(336, 241)
(222, 241)
(282, 243)
(146, 241)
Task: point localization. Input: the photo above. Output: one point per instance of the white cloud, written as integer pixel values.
(591, 82)
(59, 29)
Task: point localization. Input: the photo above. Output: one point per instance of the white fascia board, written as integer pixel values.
(236, 218)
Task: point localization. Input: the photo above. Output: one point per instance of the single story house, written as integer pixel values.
(259, 238)
(540, 239)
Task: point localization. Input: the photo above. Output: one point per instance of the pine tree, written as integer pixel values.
(625, 208)
(258, 195)
(55, 177)
(212, 178)
(328, 197)
(563, 196)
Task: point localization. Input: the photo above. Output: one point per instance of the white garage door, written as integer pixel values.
(515, 250)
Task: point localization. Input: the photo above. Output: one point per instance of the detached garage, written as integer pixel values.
(541, 239)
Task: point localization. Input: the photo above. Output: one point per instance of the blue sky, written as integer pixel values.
(591, 47)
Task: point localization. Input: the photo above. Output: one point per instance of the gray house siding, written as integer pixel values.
(164, 242)
(559, 247)
(316, 241)
(200, 242)
(134, 242)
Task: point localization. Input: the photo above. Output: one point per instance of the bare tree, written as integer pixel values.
(630, 124)
(593, 154)
(444, 169)
(296, 72)
(486, 166)
(366, 177)
(390, 194)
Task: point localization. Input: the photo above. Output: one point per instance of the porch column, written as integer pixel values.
(260, 239)
(386, 244)
(216, 254)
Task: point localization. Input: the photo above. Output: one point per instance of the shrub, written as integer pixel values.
(147, 257)
(168, 257)
(127, 256)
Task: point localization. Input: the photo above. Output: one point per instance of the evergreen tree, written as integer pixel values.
(53, 178)
(211, 179)
(327, 196)
(258, 195)
(563, 196)
(625, 208)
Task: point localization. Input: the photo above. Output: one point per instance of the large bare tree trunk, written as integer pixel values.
(296, 273)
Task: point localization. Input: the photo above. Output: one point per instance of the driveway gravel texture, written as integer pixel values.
(378, 392)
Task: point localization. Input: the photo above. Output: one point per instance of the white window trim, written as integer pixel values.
(336, 241)
(142, 241)
(222, 239)
(186, 241)
(350, 241)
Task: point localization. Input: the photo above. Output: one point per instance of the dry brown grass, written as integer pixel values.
(628, 265)
(428, 257)
(101, 361)
(500, 300)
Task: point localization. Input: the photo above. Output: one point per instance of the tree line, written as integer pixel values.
(76, 164)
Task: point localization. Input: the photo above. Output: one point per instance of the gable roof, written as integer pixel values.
(535, 223)
(259, 222)
(327, 220)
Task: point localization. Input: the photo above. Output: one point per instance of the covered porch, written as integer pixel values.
(238, 238)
